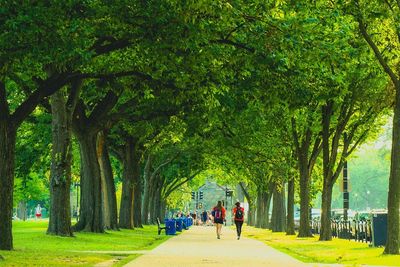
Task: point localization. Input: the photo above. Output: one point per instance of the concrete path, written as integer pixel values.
(200, 247)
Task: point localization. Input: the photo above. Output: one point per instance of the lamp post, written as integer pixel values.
(228, 193)
(346, 197)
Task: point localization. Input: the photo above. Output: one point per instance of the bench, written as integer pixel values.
(160, 228)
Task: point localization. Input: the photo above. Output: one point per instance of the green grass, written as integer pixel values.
(311, 250)
(32, 247)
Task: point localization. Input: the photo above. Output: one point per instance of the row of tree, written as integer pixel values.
(279, 92)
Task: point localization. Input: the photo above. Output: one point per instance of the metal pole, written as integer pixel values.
(346, 196)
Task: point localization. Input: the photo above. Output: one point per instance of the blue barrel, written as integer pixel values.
(179, 224)
(170, 228)
(185, 223)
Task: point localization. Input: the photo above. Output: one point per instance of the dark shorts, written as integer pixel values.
(221, 221)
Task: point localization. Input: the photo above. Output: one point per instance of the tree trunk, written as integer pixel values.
(392, 243)
(290, 208)
(109, 199)
(326, 231)
(131, 174)
(163, 207)
(147, 189)
(91, 212)
(22, 212)
(267, 196)
(156, 206)
(151, 203)
(304, 229)
(278, 219)
(250, 214)
(7, 161)
(251, 211)
(137, 202)
(61, 161)
(259, 209)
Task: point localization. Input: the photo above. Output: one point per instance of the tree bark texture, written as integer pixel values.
(393, 238)
(131, 173)
(109, 199)
(22, 210)
(7, 158)
(61, 160)
(278, 217)
(326, 233)
(147, 189)
(91, 212)
(290, 208)
(137, 201)
(267, 196)
(260, 209)
(393, 230)
(304, 229)
(251, 212)
(156, 201)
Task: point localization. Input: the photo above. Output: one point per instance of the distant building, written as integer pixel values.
(207, 197)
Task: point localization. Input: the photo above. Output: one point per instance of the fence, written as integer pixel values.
(358, 230)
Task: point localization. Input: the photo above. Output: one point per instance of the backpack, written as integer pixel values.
(217, 214)
(239, 213)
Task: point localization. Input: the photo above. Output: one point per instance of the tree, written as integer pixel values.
(385, 48)
(25, 54)
(60, 178)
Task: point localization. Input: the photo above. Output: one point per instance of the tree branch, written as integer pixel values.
(162, 165)
(173, 188)
(295, 137)
(245, 192)
(101, 47)
(46, 88)
(377, 53)
(235, 44)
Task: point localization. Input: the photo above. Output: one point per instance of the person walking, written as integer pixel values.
(218, 214)
(204, 217)
(238, 215)
(38, 212)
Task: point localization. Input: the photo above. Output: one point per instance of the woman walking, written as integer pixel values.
(238, 214)
(218, 214)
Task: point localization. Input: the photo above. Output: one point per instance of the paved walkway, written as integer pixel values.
(200, 247)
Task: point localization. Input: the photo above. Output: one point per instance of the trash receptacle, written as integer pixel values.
(170, 228)
(379, 228)
(179, 224)
(184, 223)
(187, 223)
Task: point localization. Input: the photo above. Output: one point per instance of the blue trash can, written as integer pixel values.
(179, 224)
(185, 223)
(170, 228)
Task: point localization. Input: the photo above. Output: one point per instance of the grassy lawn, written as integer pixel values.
(32, 247)
(311, 250)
